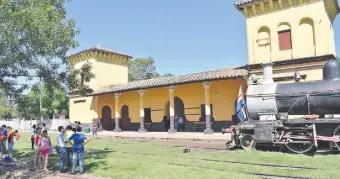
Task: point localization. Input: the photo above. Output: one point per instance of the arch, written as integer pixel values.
(106, 120)
(125, 120)
(263, 44)
(306, 37)
(179, 111)
(101, 105)
(283, 26)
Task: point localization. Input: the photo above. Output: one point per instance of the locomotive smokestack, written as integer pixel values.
(331, 70)
(267, 73)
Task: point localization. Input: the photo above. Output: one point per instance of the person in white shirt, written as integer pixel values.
(61, 147)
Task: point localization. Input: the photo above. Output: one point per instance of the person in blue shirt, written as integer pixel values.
(79, 140)
(3, 139)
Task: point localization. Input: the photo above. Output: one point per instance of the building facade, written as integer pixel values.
(294, 35)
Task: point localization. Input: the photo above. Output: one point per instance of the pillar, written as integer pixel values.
(141, 111)
(208, 129)
(117, 115)
(97, 111)
(172, 109)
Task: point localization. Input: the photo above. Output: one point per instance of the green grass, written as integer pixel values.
(125, 159)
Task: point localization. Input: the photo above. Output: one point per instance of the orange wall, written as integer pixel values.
(223, 95)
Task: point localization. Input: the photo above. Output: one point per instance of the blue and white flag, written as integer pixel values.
(241, 106)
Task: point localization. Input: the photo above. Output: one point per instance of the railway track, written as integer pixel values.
(261, 175)
(286, 167)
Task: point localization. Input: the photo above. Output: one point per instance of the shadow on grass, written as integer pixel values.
(93, 159)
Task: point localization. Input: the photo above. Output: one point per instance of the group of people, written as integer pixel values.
(69, 145)
(7, 136)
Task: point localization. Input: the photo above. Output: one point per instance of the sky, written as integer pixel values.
(183, 36)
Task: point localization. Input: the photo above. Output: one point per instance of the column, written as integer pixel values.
(208, 129)
(141, 111)
(97, 112)
(172, 109)
(117, 115)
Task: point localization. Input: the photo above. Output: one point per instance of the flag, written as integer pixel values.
(241, 106)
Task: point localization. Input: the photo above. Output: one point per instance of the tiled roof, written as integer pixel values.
(226, 73)
(99, 49)
(242, 2)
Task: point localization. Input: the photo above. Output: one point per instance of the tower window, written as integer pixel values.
(285, 41)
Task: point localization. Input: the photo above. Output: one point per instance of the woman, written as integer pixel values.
(33, 132)
(44, 146)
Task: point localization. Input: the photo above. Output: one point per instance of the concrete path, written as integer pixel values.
(163, 135)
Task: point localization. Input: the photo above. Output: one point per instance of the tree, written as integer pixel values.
(338, 58)
(78, 79)
(34, 38)
(7, 108)
(29, 104)
(168, 74)
(143, 68)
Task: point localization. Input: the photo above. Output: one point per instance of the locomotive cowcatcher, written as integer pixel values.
(270, 106)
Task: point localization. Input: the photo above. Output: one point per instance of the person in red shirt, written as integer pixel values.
(37, 137)
(17, 135)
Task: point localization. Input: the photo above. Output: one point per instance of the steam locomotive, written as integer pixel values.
(269, 105)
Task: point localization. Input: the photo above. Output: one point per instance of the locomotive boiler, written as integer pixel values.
(271, 107)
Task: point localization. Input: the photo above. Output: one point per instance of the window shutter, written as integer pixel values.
(285, 40)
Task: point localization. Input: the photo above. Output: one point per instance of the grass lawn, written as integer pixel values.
(129, 159)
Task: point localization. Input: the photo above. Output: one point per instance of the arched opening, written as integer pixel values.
(284, 35)
(263, 44)
(125, 119)
(107, 123)
(179, 112)
(306, 38)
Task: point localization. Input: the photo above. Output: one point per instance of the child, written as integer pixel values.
(10, 141)
(94, 128)
(61, 147)
(44, 147)
(37, 138)
(69, 145)
(16, 135)
(79, 140)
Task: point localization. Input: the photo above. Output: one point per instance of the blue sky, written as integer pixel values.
(183, 36)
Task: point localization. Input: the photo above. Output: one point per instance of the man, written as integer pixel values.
(61, 139)
(79, 140)
(43, 126)
(69, 145)
(3, 139)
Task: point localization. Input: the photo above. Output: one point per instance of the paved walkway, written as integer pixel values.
(164, 135)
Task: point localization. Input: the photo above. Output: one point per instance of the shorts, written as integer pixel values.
(44, 151)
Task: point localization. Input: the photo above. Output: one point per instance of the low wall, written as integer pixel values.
(51, 124)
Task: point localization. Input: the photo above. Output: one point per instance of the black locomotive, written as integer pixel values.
(270, 107)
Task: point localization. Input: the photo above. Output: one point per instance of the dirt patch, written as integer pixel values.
(25, 170)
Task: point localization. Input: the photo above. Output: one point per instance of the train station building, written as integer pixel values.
(293, 35)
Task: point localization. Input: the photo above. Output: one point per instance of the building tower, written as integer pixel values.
(294, 35)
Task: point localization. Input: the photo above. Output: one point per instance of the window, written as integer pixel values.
(285, 42)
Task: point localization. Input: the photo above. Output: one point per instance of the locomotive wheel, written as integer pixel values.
(300, 148)
(337, 133)
(247, 142)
